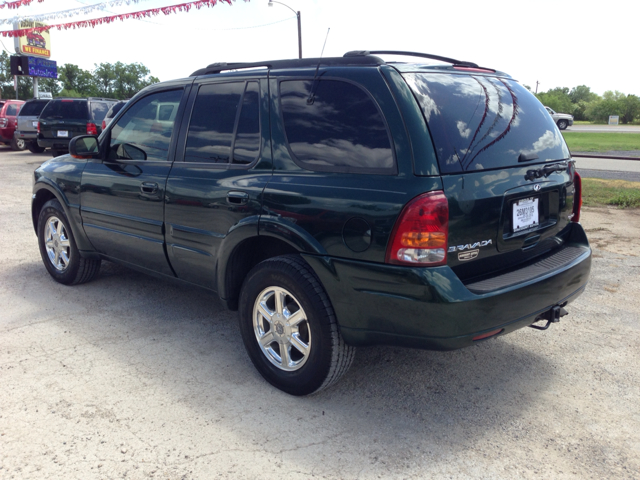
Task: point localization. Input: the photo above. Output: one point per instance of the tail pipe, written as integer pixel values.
(551, 316)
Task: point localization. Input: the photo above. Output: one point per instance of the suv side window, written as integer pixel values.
(12, 110)
(99, 111)
(342, 130)
(141, 133)
(225, 124)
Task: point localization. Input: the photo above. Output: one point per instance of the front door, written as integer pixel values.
(122, 199)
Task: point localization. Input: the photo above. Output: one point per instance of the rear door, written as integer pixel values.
(223, 162)
(505, 168)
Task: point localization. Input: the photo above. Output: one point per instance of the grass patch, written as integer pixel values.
(599, 192)
(601, 142)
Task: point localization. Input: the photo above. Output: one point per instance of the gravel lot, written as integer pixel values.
(132, 377)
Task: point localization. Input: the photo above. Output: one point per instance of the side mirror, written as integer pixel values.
(84, 147)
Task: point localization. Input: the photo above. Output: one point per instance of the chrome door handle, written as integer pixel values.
(148, 187)
(237, 198)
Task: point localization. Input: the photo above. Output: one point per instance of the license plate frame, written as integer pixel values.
(525, 214)
(63, 133)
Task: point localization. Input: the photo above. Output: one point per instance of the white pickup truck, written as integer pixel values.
(563, 120)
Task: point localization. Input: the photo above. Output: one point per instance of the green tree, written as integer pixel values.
(130, 79)
(104, 78)
(557, 99)
(611, 103)
(581, 97)
(630, 108)
(75, 79)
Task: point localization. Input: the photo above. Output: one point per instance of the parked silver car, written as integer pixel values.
(563, 120)
(27, 129)
(113, 111)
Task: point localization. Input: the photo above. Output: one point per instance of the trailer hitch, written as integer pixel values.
(551, 316)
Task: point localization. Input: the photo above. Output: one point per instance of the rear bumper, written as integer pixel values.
(59, 143)
(26, 135)
(431, 308)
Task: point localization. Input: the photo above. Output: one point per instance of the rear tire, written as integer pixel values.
(58, 248)
(18, 144)
(289, 327)
(562, 124)
(34, 147)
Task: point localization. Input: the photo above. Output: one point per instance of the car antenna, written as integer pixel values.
(312, 93)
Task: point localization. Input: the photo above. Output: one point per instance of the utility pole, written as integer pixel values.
(537, 83)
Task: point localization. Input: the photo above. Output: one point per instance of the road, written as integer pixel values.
(604, 128)
(608, 168)
(132, 377)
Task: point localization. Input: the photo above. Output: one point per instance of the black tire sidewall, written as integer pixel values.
(53, 209)
(312, 374)
(34, 147)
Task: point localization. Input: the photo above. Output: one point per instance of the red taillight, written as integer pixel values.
(104, 124)
(4, 121)
(577, 197)
(420, 234)
(92, 129)
(38, 128)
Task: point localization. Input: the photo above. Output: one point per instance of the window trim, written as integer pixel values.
(335, 169)
(228, 165)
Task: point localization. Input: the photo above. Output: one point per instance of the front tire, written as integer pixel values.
(18, 144)
(562, 124)
(58, 248)
(289, 327)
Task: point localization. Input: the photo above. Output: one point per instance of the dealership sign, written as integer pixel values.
(37, 44)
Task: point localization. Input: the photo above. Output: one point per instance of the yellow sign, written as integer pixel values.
(33, 44)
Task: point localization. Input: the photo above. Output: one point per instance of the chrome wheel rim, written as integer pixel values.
(56, 241)
(282, 329)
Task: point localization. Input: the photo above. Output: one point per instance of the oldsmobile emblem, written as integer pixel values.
(536, 187)
(470, 255)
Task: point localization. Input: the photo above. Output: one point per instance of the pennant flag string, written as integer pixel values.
(67, 13)
(183, 7)
(17, 3)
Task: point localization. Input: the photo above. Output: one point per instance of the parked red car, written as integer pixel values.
(8, 121)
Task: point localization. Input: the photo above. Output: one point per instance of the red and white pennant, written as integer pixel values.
(182, 7)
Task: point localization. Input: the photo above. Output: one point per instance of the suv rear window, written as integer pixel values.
(33, 109)
(342, 130)
(479, 122)
(66, 109)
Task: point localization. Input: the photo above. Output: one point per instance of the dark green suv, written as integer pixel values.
(334, 202)
(64, 118)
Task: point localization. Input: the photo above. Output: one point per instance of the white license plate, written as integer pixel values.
(63, 133)
(35, 124)
(525, 214)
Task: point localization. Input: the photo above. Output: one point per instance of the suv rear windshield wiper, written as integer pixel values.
(546, 170)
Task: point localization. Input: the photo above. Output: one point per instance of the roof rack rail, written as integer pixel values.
(457, 63)
(294, 63)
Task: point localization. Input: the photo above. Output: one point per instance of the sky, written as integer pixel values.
(559, 43)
